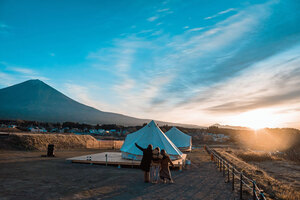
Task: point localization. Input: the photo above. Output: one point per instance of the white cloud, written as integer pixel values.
(159, 14)
(174, 59)
(270, 84)
(220, 13)
(79, 93)
(6, 79)
(163, 10)
(86, 94)
(158, 32)
(151, 19)
(22, 70)
(226, 11)
(195, 29)
(145, 31)
(21, 73)
(184, 51)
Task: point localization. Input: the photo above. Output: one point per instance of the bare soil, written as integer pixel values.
(27, 175)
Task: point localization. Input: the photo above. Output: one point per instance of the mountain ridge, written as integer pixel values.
(37, 101)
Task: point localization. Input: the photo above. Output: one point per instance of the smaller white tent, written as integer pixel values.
(180, 139)
(149, 134)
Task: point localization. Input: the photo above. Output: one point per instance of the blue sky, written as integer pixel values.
(199, 62)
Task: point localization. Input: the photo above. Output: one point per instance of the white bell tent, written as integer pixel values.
(180, 139)
(150, 134)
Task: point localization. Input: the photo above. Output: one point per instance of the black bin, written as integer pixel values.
(50, 152)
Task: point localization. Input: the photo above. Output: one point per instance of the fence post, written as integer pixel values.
(228, 173)
(232, 178)
(223, 168)
(261, 195)
(253, 190)
(105, 159)
(241, 186)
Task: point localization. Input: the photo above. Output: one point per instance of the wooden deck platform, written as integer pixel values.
(115, 158)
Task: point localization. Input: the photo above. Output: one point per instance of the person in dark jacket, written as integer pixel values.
(146, 161)
(165, 173)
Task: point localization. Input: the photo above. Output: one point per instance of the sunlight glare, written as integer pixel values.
(257, 119)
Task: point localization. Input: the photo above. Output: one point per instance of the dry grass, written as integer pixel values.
(273, 188)
(293, 153)
(29, 141)
(255, 157)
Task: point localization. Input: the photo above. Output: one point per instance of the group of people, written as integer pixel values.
(156, 163)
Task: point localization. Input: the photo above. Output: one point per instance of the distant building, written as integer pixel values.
(93, 131)
(43, 130)
(54, 130)
(37, 130)
(113, 131)
(101, 131)
(215, 137)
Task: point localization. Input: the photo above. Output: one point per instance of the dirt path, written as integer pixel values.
(25, 175)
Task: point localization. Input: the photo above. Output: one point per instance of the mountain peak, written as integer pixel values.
(33, 81)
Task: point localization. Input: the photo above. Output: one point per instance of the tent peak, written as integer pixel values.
(152, 123)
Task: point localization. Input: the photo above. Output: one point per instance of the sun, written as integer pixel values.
(257, 119)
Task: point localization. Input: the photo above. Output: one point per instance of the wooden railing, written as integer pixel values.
(229, 169)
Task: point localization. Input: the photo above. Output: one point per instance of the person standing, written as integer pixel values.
(155, 166)
(146, 161)
(165, 173)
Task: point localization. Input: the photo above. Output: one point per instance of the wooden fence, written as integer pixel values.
(104, 144)
(230, 170)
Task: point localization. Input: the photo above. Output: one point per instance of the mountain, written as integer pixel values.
(35, 100)
(231, 127)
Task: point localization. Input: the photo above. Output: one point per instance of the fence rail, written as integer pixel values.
(244, 182)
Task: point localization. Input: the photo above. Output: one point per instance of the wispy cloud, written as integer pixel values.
(271, 82)
(22, 70)
(80, 93)
(153, 18)
(160, 13)
(187, 64)
(195, 29)
(163, 10)
(4, 28)
(6, 79)
(19, 73)
(191, 56)
(220, 13)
